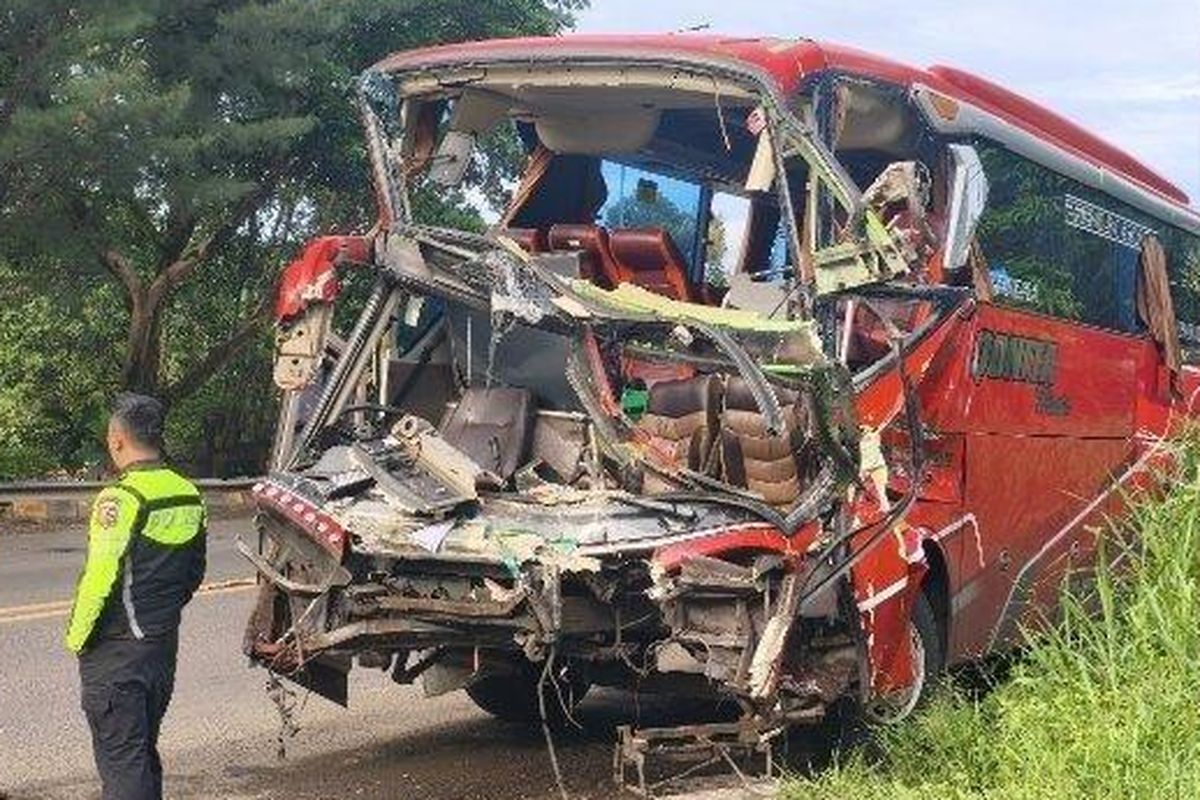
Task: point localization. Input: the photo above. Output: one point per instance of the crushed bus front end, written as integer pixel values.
(562, 454)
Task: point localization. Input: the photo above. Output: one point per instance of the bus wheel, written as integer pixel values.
(928, 658)
(512, 697)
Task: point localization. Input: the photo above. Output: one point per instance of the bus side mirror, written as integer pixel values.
(968, 198)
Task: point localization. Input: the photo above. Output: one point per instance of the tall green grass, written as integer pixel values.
(1106, 705)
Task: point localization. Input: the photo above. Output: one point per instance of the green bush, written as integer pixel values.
(1107, 705)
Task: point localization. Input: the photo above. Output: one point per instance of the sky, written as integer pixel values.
(1128, 71)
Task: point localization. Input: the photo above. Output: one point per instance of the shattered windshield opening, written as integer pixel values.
(633, 179)
(620, 151)
(603, 258)
(608, 300)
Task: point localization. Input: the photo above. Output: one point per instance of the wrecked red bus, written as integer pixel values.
(789, 374)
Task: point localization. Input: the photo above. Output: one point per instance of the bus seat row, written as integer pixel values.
(713, 425)
(645, 257)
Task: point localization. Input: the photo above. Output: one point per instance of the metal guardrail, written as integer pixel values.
(71, 501)
(75, 487)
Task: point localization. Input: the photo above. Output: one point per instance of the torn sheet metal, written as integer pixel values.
(300, 346)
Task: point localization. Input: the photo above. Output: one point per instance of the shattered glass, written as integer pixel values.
(516, 291)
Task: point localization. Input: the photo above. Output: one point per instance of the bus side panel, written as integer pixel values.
(1046, 408)
(1032, 498)
(1031, 375)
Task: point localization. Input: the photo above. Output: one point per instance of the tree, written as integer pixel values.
(163, 158)
(715, 249)
(145, 137)
(51, 397)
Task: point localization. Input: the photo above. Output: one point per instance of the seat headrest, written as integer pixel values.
(686, 396)
(573, 236)
(646, 249)
(650, 259)
(738, 395)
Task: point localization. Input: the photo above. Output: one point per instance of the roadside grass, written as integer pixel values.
(1105, 705)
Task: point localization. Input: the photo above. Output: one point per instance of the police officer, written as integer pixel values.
(145, 558)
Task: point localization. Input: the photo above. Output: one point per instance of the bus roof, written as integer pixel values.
(787, 62)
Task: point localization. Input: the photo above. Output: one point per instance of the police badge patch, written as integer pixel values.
(108, 511)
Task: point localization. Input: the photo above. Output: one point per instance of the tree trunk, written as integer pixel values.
(222, 353)
(148, 301)
(144, 343)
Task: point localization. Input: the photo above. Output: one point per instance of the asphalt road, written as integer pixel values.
(219, 737)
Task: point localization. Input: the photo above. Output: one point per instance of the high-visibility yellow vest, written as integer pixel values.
(145, 559)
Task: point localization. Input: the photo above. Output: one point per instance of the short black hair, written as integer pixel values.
(141, 416)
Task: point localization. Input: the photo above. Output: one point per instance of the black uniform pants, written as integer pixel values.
(126, 687)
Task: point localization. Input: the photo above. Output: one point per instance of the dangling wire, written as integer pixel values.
(541, 697)
(288, 709)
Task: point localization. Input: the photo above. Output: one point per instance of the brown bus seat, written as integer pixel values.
(650, 371)
(774, 467)
(592, 240)
(681, 422)
(649, 258)
(493, 426)
(531, 240)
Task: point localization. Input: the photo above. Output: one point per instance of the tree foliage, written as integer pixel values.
(159, 161)
(658, 211)
(716, 247)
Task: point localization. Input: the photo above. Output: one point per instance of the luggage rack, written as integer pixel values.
(693, 749)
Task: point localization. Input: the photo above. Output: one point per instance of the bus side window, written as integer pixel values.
(1055, 246)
